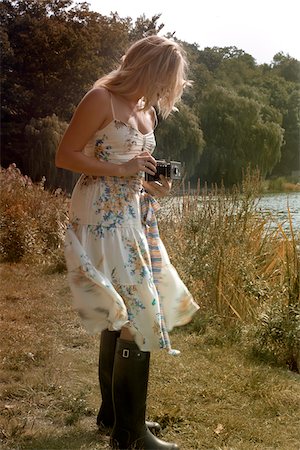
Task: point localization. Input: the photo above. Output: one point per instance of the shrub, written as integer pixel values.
(32, 221)
(276, 335)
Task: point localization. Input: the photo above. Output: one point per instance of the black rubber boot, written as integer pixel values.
(130, 382)
(108, 341)
(105, 417)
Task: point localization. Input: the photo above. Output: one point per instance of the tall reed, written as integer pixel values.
(227, 252)
(239, 267)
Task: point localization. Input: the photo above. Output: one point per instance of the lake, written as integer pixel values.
(277, 205)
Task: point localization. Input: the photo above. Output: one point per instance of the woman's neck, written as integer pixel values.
(133, 101)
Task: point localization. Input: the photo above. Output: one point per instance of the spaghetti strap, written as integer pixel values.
(112, 106)
(155, 118)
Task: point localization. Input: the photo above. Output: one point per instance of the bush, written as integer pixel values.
(276, 334)
(32, 221)
(277, 184)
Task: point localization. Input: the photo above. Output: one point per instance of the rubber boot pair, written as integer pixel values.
(105, 418)
(130, 382)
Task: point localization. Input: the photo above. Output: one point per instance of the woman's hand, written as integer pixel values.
(158, 188)
(141, 163)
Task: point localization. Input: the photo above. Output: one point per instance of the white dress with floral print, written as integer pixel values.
(118, 269)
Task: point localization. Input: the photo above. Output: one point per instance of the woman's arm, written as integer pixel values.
(89, 116)
(92, 114)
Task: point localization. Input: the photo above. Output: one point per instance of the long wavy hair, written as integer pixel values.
(154, 66)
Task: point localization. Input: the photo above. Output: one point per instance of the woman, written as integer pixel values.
(119, 272)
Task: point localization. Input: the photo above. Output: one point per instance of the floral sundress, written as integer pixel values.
(118, 268)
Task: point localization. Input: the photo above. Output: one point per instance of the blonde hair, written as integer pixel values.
(154, 66)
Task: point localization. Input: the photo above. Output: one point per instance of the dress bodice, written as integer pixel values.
(119, 142)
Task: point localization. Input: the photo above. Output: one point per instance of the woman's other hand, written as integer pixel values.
(158, 188)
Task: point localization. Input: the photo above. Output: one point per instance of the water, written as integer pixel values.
(277, 206)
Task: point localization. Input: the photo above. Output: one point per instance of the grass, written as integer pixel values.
(230, 389)
(227, 253)
(215, 395)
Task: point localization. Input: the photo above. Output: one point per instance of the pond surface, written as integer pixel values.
(277, 205)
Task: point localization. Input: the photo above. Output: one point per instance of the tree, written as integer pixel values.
(58, 53)
(236, 70)
(238, 133)
(145, 27)
(287, 67)
(180, 138)
(285, 97)
(54, 52)
(43, 136)
(199, 75)
(290, 155)
(213, 57)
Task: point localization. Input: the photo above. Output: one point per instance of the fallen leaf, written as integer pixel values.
(219, 428)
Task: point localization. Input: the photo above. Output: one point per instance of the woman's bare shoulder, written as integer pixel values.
(97, 97)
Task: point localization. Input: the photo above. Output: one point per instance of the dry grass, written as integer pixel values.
(237, 265)
(211, 397)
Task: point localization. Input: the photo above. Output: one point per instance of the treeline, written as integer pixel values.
(236, 115)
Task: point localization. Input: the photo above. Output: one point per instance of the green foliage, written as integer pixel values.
(42, 138)
(238, 132)
(290, 159)
(276, 184)
(180, 138)
(57, 53)
(214, 57)
(236, 69)
(272, 88)
(284, 96)
(53, 53)
(287, 67)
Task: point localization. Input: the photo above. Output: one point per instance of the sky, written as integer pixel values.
(261, 28)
